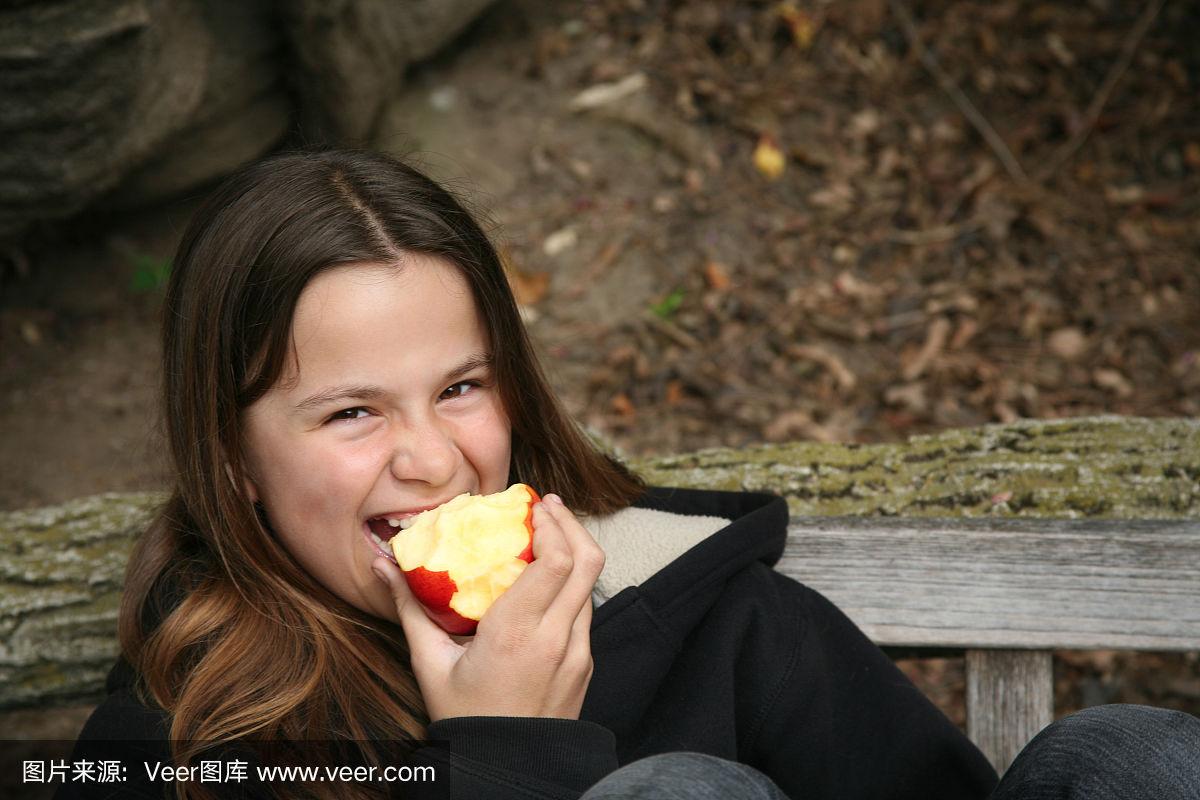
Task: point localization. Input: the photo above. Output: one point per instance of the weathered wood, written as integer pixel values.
(1010, 698)
(1087, 467)
(1011, 583)
(61, 567)
(61, 570)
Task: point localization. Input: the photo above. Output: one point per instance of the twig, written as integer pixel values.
(942, 233)
(964, 103)
(1115, 72)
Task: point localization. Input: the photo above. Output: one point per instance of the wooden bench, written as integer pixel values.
(1007, 592)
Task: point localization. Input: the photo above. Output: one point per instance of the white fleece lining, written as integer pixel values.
(638, 542)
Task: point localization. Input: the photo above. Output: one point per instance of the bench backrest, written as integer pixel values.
(1008, 592)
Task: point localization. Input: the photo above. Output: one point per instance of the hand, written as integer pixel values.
(531, 655)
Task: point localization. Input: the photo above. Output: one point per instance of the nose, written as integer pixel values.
(426, 451)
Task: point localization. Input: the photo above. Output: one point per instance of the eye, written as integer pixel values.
(346, 414)
(459, 389)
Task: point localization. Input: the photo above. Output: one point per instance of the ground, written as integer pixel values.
(777, 221)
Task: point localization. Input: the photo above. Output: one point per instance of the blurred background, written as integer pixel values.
(726, 222)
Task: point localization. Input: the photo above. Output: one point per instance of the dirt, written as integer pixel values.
(896, 276)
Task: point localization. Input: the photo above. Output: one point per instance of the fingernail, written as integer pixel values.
(553, 498)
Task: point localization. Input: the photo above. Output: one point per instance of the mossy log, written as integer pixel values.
(61, 567)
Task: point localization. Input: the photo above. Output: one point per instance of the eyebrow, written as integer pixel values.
(333, 394)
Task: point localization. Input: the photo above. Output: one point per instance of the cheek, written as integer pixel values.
(319, 483)
(489, 446)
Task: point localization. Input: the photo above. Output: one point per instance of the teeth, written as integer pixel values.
(405, 524)
(395, 523)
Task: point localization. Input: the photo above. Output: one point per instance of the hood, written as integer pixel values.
(672, 544)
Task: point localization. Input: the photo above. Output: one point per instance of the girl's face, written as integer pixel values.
(393, 410)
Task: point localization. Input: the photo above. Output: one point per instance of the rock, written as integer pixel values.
(352, 54)
(91, 90)
(132, 101)
(61, 566)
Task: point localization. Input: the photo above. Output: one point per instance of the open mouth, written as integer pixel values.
(382, 529)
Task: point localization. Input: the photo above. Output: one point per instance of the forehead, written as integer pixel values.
(382, 317)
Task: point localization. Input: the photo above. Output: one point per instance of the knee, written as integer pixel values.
(684, 775)
(1143, 726)
(1106, 750)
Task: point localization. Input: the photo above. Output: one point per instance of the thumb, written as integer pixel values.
(424, 636)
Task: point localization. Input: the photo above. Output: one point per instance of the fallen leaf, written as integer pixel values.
(605, 93)
(30, 332)
(967, 328)
(846, 380)
(623, 405)
(1005, 413)
(560, 241)
(674, 392)
(935, 340)
(910, 396)
(1191, 154)
(528, 288)
(837, 196)
(1124, 195)
(802, 26)
(768, 158)
(1067, 343)
(1134, 235)
(1113, 381)
(717, 276)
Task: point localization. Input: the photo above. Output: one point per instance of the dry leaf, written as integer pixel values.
(605, 93)
(560, 241)
(838, 196)
(1067, 343)
(623, 405)
(768, 158)
(801, 25)
(909, 396)
(674, 392)
(935, 340)
(967, 328)
(1191, 154)
(528, 288)
(717, 276)
(846, 380)
(1134, 235)
(1113, 381)
(30, 332)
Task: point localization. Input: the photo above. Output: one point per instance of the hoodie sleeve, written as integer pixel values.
(472, 758)
(838, 719)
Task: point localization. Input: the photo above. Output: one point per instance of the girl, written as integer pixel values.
(341, 349)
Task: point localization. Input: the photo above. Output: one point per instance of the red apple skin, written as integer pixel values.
(434, 590)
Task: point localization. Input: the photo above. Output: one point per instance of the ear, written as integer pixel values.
(248, 486)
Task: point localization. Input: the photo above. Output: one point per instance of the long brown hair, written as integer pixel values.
(226, 631)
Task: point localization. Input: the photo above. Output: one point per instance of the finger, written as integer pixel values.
(425, 638)
(588, 562)
(538, 586)
(581, 628)
(579, 651)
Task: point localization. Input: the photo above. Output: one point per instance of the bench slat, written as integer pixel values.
(1010, 697)
(1006, 583)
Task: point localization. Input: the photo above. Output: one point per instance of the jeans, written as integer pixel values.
(1116, 752)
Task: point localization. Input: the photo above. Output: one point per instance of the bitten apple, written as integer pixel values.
(459, 557)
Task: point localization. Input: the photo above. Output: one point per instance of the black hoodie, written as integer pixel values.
(714, 653)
